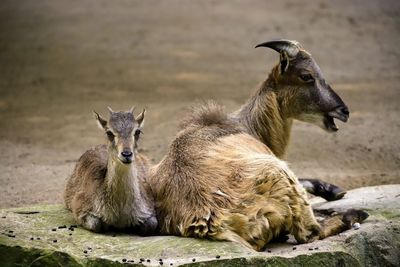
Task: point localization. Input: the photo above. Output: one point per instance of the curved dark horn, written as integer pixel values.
(289, 46)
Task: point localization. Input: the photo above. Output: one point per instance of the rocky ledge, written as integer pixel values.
(48, 236)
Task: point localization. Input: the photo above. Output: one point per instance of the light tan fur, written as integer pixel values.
(219, 182)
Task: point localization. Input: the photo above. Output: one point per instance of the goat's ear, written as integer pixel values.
(284, 61)
(132, 109)
(100, 121)
(140, 118)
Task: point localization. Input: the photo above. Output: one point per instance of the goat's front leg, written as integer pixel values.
(340, 222)
(306, 228)
(92, 223)
(322, 189)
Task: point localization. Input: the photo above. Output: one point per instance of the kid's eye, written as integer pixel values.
(110, 135)
(137, 133)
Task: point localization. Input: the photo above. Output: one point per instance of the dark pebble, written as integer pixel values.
(37, 238)
(70, 233)
(62, 227)
(55, 241)
(85, 251)
(159, 259)
(193, 260)
(71, 229)
(148, 260)
(316, 248)
(123, 260)
(141, 259)
(32, 238)
(12, 236)
(74, 226)
(218, 256)
(269, 251)
(54, 229)
(89, 248)
(171, 264)
(131, 261)
(310, 249)
(161, 263)
(4, 217)
(13, 231)
(294, 248)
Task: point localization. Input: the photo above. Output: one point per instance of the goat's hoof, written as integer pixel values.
(336, 194)
(281, 238)
(352, 216)
(328, 191)
(149, 227)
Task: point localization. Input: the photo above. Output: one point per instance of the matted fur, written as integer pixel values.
(206, 114)
(219, 182)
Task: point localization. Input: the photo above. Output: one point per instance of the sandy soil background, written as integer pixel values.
(59, 60)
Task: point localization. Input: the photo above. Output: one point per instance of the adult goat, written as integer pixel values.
(222, 178)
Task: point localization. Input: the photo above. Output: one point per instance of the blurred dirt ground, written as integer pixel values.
(59, 60)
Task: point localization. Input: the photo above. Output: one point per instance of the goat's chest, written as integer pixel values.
(120, 212)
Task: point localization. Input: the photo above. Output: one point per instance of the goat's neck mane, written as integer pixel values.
(263, 117)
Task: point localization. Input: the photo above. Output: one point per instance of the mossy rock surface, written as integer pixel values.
(43, 236)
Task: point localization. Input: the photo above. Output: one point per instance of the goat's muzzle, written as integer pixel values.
(341, 113)
(126, 157)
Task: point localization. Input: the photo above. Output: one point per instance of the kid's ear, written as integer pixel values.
(100, 121)
(140, 118)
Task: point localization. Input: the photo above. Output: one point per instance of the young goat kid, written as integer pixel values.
(108, 187)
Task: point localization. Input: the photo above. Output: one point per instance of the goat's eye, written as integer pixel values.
(110, 136)
(306, 77)
(137, 133)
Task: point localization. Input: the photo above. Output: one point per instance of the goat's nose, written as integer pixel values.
(126, 154)
(345, 111)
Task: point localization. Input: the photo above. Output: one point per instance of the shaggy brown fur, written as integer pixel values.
(219, 182)
(108, 186)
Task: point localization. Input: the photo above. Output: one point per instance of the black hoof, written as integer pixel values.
(352, 216)
(336, 194)
(322, 189)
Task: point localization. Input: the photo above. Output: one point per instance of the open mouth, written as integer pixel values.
(340, 113)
